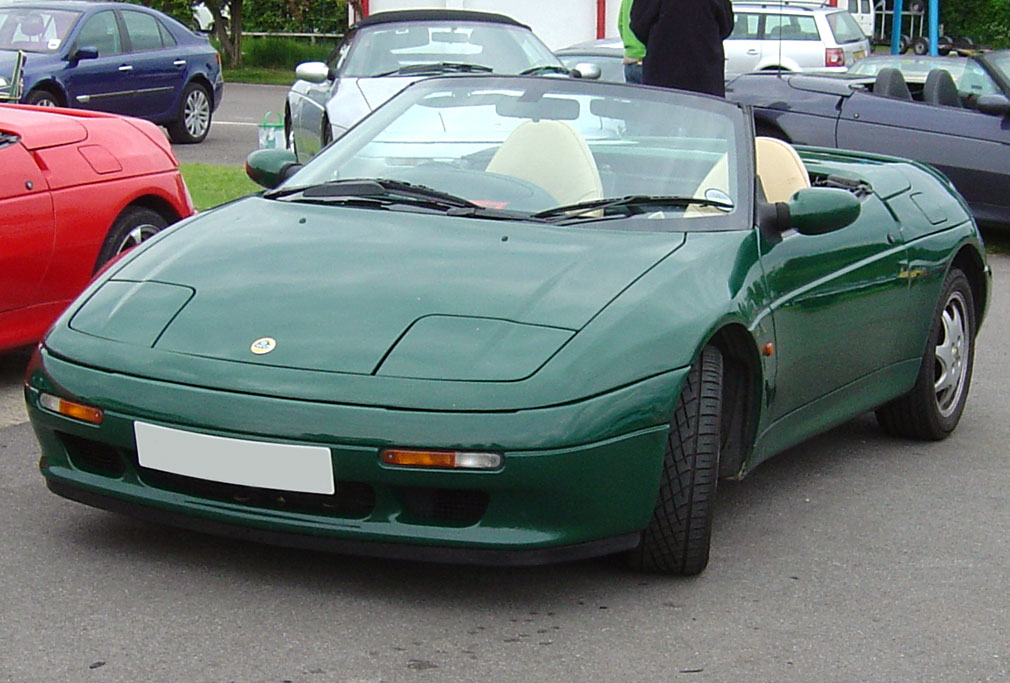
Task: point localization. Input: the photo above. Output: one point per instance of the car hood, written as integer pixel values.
(377, 90)
(360, 291)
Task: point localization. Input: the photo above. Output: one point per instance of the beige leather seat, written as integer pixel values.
(554, 156)
(780, 169)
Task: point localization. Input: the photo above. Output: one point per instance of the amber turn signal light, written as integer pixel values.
(78, 411)
(453, 460)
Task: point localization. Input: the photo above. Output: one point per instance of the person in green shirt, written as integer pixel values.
(634, 50)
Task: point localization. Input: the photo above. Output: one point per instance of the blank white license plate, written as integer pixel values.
(283, 467)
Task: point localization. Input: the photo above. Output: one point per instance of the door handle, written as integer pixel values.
(126, 68)
(752, 52)
(179, 62)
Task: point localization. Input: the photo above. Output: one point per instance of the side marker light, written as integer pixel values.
(457, 460)
(78, 411)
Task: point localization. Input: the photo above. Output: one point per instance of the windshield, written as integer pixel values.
(385, 48)
(914, 69)
(531, 145)
(1001, 62)
(34, 29)
(844, 28)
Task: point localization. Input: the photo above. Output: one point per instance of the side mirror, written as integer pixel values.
(271, 167)
(313, 72)
(994, 104)
(587, 70)
(86, 52)
(820, 210)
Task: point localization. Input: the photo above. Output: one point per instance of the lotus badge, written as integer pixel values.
(263, 345)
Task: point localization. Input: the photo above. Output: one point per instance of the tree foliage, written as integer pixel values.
(987, 22)
(232, 17)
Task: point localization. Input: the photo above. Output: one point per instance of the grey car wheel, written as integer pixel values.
(42, 98)
(134, 225)
(193, 123)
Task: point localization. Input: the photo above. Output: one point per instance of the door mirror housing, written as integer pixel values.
(271, 167)
(313, 72)
(820, 210)
(587, 70)
(86, 52)
(993, 104)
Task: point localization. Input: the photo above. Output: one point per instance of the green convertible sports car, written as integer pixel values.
(511, 320)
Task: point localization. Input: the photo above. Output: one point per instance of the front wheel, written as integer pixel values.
(677, 539)
(41, 97)
(135, 225)
(193, 122)
(933, 408)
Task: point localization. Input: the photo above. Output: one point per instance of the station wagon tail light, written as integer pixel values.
(834, 56)
(453, 460)
(77, 411)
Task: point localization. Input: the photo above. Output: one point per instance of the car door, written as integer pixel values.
(834, 300)
(156, 69)
(743, 46)
(969, 147)
(308, 103)
(104, 83)
(26, 231)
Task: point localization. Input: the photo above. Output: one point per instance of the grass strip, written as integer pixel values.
(211, 185)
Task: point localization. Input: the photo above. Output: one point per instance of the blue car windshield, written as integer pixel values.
(546, 145)
(34, 29)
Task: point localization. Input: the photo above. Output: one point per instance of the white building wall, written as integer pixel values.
(559, 23)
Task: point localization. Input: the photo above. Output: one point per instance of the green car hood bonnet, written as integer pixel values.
(368, 292)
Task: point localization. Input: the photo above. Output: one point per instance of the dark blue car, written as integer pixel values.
(114, 57)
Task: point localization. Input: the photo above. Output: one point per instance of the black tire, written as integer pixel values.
(134, 225)
(916, 7)
(326, 134)
(193, 122)
(43, 97)
(944, 45)
(933, 408)
(677, 539)
(920, 45)
(903, 42)
(289, 133)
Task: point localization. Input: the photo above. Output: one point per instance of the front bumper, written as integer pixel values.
(586, 485)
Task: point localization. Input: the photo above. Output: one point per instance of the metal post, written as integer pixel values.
(934, 21)
(896, 28)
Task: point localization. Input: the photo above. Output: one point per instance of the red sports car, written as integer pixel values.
(76, 189)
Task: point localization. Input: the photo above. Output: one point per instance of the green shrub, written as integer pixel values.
(283, 53)
(987, 22)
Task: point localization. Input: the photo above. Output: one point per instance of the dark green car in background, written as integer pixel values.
(511, 320)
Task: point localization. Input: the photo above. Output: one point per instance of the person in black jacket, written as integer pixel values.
(683, 40)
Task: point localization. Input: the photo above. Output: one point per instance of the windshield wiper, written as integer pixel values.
(631, 202)
(372, 187)
(386, 191)
(436, 68)
(545, 69)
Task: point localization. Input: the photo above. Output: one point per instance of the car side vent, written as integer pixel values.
(453, 506)
(93, 457)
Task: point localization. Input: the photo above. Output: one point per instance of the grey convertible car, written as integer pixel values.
(385, 52)
(959, 123)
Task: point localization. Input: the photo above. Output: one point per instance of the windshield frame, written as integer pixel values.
(365, 131)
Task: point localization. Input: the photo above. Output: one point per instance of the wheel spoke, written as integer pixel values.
(950, 356)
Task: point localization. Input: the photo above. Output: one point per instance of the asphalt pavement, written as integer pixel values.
(234, 128)
(852, 557)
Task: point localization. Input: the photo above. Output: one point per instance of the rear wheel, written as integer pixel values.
(933, 408)
(193, 122)
(135, 225)
(677, 539)
(920, 45)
